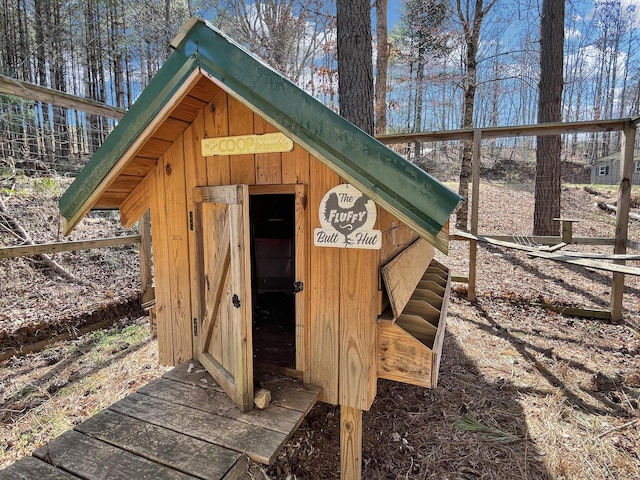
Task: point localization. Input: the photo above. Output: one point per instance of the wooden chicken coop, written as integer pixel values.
(284, 238)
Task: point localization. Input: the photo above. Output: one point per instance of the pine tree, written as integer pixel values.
(355, 64)
(548, 150)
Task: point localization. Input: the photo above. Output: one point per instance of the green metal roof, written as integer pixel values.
(392, 182)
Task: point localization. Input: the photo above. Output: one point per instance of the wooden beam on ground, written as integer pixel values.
(598, 256)
(589, 263)
(24, 349)
(460, 279)
(612, 208)
(56, 247)
(350, 443)
(494, 241)
(30, 91)
(528, 243)
(575, 311)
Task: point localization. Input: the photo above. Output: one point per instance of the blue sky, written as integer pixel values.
(393, 12)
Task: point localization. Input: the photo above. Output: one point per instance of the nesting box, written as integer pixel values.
(283, 236)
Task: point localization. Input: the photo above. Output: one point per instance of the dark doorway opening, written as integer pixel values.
(272, 219)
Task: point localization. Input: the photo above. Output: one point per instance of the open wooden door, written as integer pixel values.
(224, 343)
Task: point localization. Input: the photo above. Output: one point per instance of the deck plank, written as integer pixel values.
(258, 443)
(180, 452)
(192, 373)
(292, 394)
(276, 418)
(89, 458)
(178, 427)
(30, 468)
(285, 392)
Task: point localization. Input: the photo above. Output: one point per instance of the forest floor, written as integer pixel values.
(524, 393)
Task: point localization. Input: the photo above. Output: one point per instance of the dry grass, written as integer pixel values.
(45, 394)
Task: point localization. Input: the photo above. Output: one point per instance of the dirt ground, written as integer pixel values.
(524, 393)
(36, 303)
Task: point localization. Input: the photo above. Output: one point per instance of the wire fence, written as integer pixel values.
(40, 139)
(506, 202)
(510, 164)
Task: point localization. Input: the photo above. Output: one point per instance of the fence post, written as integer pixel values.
(475, 198)
(350, 443)
(622, 216)
(147, 293)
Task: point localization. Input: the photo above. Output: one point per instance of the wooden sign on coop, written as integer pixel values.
(347, 219)
(243, 276)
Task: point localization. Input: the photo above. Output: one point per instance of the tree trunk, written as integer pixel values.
(23, 66)
(43, 39)
(417, 111)
(548, 151)
(355, 65)
(382, 63)
(57, 70)
(95, 78)
(471, 28)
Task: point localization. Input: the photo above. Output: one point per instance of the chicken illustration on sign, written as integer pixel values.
(347, 218)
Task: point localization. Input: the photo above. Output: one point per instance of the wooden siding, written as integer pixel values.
(195, 176)
(358, 293)
(162, 269)
(336, 333)
(241, 122)
(169, 220)
(325, 295)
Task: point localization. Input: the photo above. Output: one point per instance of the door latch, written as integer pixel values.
(235, 300)
(298, 287)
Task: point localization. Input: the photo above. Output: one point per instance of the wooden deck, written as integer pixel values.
(180, 426)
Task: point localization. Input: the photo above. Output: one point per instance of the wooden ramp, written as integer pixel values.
(180, 426)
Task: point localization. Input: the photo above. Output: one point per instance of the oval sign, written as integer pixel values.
(347, 218)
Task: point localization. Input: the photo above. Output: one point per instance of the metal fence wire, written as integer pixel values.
(39, 139)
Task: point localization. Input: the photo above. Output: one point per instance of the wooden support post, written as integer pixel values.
(567, 228)
(622, 216)
(350, 443)
(567, 232)
(146, 278)
(475, 199)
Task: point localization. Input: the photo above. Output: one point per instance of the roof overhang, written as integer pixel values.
(170, 102)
